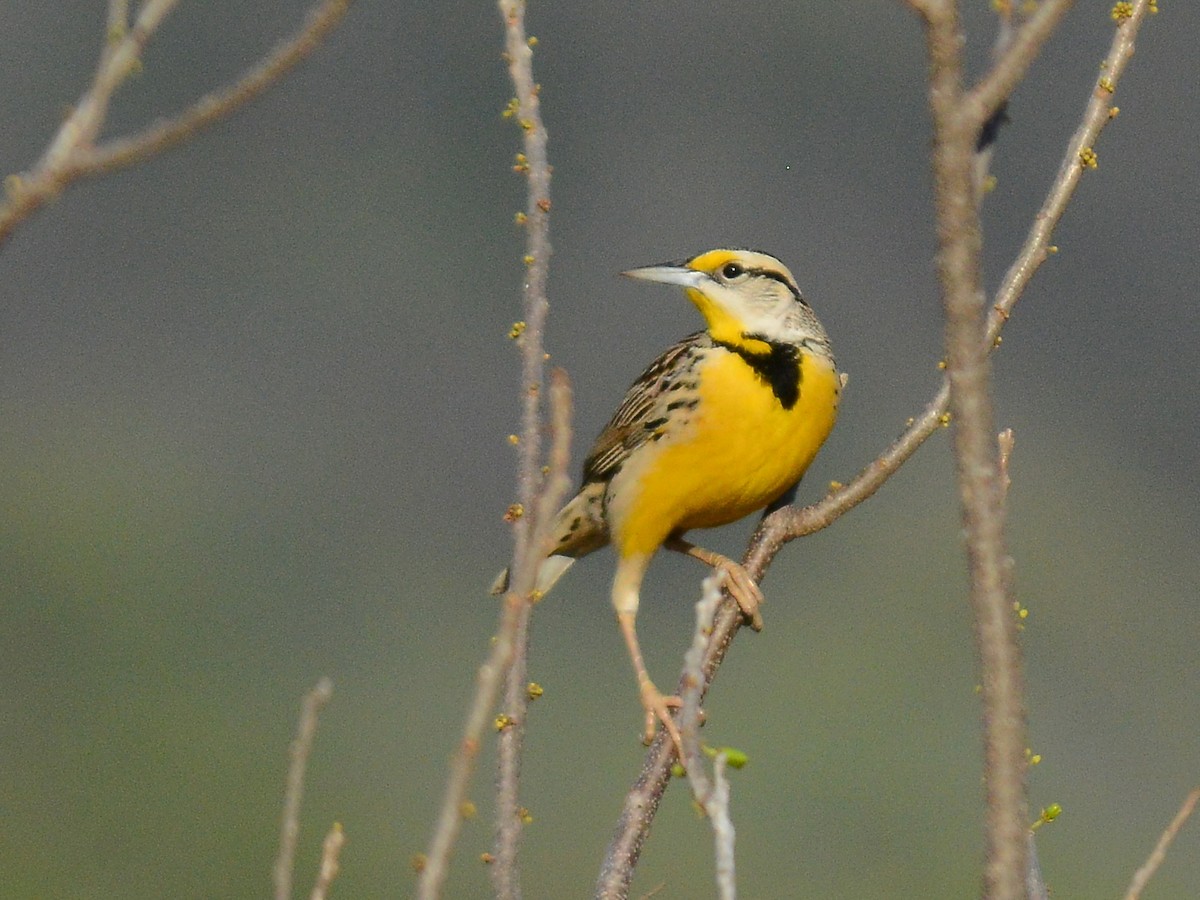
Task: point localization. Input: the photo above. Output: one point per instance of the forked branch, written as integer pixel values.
(289, 831)
(74, 154)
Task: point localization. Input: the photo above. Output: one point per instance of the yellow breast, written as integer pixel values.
(740, 450)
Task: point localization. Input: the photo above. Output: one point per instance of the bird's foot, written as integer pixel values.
(737, 580)
(658, 708)
(743, 590)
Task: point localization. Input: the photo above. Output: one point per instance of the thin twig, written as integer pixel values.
(289, 831)
(717, 808)
(1098, 113)
(539, 498)
(73, 154)
(1143, 875)
(536, 167)
(712, 796)
(528, 538)
(331, 850)
(436, 861)
(791, 522)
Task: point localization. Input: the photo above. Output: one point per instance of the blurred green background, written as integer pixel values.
(254, 398)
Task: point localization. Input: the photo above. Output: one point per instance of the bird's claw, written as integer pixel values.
(658, 708)
(744, 591)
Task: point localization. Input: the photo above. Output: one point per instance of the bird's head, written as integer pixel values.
(747, 298)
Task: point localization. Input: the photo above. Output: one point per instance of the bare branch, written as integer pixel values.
(1143, 875)
(119, 59)
(536, 168)
(508, 654)
(118, 153)
(331, 850)
(539, 502)
(713, 797)
(301, 747)
(956, 131)
(73, 153)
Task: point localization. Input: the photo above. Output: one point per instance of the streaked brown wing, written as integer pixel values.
(627, 430)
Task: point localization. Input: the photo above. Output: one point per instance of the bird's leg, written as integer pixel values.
(741, 586)
(625, 596)
(657, 705)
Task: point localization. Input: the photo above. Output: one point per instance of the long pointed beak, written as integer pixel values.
(668, 274)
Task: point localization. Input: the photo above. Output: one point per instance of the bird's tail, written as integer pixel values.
(553, 567)
(579, 529)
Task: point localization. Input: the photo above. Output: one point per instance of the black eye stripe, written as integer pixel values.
(762, 273)
(774, 276)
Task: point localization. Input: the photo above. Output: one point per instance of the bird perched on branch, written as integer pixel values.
(722, 424)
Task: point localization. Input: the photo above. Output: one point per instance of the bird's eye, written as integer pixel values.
(732, 270)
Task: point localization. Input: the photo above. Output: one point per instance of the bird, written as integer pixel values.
(724, 423)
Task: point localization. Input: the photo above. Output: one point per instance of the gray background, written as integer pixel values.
(253, 405)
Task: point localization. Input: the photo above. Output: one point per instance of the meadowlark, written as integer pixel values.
(722, 424)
